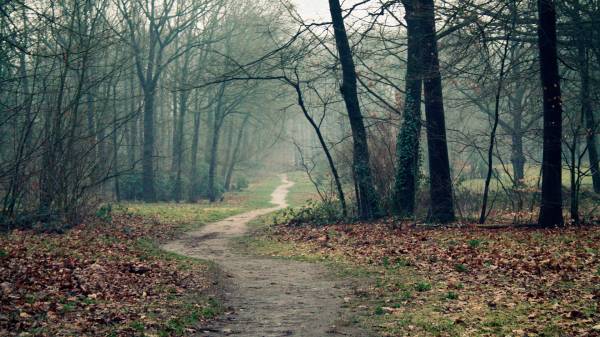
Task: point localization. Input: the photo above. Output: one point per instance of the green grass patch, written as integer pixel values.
(531, 178)
(474, 243)
(191, 313)
(422, 286)
(186, 215)
(461, 268)
(190, 216)
(451, 295)
(302, 191)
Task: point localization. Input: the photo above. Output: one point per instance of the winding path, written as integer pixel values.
(271, 297)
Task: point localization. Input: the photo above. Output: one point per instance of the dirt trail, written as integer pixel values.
(271, 297)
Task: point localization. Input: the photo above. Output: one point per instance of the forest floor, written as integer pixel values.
(461, 281)
(456, 282)
(109, 277)
(144, 270)
(266, 296)
(101, 279)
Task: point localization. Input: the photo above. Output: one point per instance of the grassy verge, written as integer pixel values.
(531, 179)
(302, 191)
(456, 282)
(453, 281)
(193, 215)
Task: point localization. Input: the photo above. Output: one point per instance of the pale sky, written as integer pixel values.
(317, 9)
(312, 9)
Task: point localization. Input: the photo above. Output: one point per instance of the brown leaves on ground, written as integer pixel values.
(96, 279)
(484, 281)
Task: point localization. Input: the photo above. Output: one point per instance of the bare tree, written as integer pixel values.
(367, 202)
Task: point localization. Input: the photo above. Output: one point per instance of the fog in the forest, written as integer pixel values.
(439, 111)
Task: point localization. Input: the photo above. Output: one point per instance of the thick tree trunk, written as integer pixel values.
(440, 181)
(149, 193)
(407, 144)
(551, 204)
(368, 202)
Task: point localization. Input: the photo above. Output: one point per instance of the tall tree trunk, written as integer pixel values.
(194, 155)
(210, 120)
(115, 141)
(440, 181)
(517, 157)
(218, 120)
(102, 123)
(586, 100)
(149, 193)
(551, 204)
(234, 156)
(407, 143)
(174, 132)
(368, 202)
(591, 129)
(229, 135)
(178, 152)
(132, 125)
(214, 156)
(573, 175)
(516, 109)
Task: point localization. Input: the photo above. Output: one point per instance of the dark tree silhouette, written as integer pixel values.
(367, 198)
(551, 205)
(407, 147)
(440, 182)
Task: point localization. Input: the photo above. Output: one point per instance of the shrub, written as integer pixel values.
(452, 295)
(423, 286)
(241, 183)
(104, 213)
(461, 268)
(131, 186)
(474, 243)
(314, 213)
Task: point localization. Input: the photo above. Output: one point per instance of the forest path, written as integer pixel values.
(271, 297)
